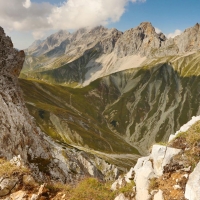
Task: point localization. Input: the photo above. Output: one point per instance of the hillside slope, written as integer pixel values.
(112, 92)
(136, 107)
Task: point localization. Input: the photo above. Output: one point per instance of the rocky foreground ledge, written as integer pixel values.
(170, 172)
(19, 134)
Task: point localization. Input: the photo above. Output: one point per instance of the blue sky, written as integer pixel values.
(167, 15)
(27, 20)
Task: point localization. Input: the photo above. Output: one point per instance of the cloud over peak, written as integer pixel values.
(24, 15)
(27, 4)
(176, 32)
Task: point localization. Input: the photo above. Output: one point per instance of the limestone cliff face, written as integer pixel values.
(19, 134)
(140, 40)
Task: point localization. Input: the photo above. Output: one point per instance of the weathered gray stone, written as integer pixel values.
(192, 190)
(7, 185)
(161, 156)
(29, 180)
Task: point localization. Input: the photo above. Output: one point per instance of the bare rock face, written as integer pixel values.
(189, 40)
(140, 40)
(192, 191)
(144, 40)
(19, 134)
(146, 169)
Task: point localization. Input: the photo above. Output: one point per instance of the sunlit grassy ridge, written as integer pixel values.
(116, 113)
(75, 113)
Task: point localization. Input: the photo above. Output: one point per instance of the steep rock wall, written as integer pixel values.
(19, 134)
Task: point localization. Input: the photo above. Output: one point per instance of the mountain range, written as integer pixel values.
(111, 92)
(99, 100)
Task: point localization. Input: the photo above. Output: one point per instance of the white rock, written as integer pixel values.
(192, 190)
(17, 160)
(185, 127)
(185, 175)
(121, 197)
(34, 197)
(129, 175)
(187, 169)
(161, 156)
(7, 185)
(142, 176)
(147, 168)
(158, 195)
(117, 183)
(153, 192)
(140, 162)
(177, 187)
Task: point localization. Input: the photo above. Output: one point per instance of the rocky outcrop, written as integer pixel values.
(140, 40)
(167, 172)
(192, 191)
(40, 47)
(189, 40)
(19, 134)
(146, 169)
(185, 127)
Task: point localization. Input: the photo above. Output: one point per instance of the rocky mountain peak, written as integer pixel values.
(98, 29)
(197, 25)
(140, 40)
(189, 40)
(146, 27)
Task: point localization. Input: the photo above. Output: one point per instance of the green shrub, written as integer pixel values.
(92, 189)
(153, 184)
(8, 169)
(87, 189)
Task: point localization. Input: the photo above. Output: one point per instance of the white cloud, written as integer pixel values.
(24, 15)
(135, 1)
(74, 14)
(14, 16)
(176, 32)
(27, 4)
(157, 30)
(38, 34)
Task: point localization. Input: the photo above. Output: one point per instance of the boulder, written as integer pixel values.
(7, 185)
(192, 190)
(158, 195)
(20, 195)
(147, 168)
(161, 156)
(29, 180)
(142, 176)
